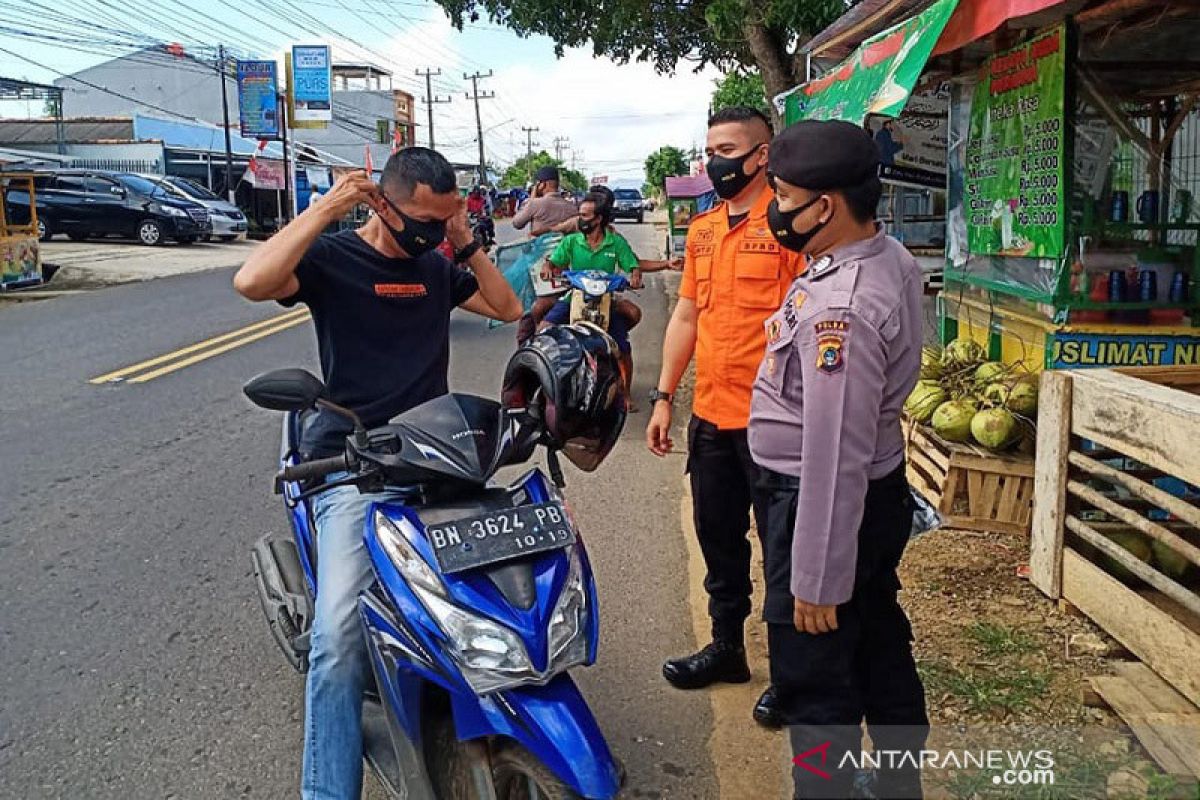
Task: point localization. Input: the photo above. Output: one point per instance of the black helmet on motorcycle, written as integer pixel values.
(571, 375)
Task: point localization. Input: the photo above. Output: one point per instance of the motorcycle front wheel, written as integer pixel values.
(519, 775)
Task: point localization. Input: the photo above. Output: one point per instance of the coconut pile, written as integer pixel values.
(965, 398)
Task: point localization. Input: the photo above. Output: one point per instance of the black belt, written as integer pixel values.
(771, 480)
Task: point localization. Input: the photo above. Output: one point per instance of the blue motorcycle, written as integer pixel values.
(484, 596)
(592, 300)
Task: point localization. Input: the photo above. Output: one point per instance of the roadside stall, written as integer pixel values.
(1072, 240)
(20, 255)
(1072, 161)
(687, 196)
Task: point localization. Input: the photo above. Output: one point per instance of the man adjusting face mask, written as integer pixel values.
(418, 236)
(728, 174)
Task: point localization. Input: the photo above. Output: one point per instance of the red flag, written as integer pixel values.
(397, 140)
(369, 166)
(252, 167)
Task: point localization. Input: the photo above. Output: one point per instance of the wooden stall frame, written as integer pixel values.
(1153, 424)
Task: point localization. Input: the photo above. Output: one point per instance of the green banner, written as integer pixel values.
(878, 77)
(1015, 163)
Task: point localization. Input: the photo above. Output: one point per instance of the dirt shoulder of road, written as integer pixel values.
(95, 264)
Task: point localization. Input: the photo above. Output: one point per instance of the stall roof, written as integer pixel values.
(972, 19)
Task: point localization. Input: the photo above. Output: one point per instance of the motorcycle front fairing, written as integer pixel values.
(546, 714)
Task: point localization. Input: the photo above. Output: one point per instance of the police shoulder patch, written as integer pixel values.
(831, 341)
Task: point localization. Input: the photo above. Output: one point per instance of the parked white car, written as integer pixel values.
(228, 222)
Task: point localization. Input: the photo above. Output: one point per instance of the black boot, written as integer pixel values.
(719, 662)
(767, 711)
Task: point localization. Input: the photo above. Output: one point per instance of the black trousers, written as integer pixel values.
(724, 482)
(830, 683)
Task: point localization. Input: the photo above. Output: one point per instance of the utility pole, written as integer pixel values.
(477, 96)
(229, 189)
(431, 99)
(529, 132)
(559, 143)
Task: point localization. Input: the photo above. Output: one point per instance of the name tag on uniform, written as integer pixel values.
(752, 246)
(702, 249)
(400, 290)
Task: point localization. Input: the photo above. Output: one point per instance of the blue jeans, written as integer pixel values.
(338, 668)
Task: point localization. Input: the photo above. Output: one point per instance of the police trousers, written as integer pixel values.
(724, 480)
(830, 683)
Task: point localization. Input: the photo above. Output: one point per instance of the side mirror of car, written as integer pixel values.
(291, 389)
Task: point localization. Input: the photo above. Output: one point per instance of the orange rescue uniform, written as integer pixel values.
(737, 277)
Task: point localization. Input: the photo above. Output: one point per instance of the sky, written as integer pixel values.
(612, 116)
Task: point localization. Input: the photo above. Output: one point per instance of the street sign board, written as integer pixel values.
(258, 88)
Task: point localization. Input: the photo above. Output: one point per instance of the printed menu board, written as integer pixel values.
(1015, 161)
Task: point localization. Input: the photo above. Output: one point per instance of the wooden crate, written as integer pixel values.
(1086, 418)
(971, 487)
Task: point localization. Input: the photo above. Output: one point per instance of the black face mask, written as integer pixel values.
(728, 175)
(780, 223)
(418, 237)
(586, 225)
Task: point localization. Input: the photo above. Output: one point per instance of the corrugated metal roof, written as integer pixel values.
(75, 130)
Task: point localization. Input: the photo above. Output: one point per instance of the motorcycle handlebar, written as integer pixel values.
(316, 469)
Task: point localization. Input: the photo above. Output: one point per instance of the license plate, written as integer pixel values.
(500, 535)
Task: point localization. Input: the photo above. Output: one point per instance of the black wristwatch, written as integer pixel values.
(461, 256)
(656, 395)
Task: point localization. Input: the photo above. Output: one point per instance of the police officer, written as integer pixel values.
(734, 277)
(843, 352)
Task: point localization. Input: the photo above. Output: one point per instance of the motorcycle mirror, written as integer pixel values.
(290, 389)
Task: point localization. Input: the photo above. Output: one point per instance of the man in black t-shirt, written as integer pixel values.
(381, 300)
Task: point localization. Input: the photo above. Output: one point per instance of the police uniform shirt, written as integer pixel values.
(843, 353)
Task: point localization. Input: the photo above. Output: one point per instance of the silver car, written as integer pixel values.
(228, 222)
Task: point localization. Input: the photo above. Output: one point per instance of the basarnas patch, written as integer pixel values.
(831, 341)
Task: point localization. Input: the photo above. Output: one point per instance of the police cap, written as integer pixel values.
(820, 155)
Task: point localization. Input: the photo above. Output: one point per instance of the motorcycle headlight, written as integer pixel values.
(404, 556)
(594, 286)
(490, 655)
(569, 622)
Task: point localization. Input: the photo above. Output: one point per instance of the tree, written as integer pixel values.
(764, 36)
(662, 164)
(524, 168)
(740, 89)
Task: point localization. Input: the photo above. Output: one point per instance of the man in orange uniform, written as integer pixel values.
(735, 276)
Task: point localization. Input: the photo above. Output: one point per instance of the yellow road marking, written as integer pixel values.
(294, 317)
(187, 362)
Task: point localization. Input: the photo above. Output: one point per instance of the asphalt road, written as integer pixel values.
(134, 661)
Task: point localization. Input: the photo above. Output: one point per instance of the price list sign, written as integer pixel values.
(1014, 158)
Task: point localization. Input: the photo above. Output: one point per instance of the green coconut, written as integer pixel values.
(994, 395)
(1172, 563)
(952, 420)
(989, 372)
(961, 353)
(994, 428)
(1023, 399)
(931, 364)
(1133, 542)
(924, 399)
